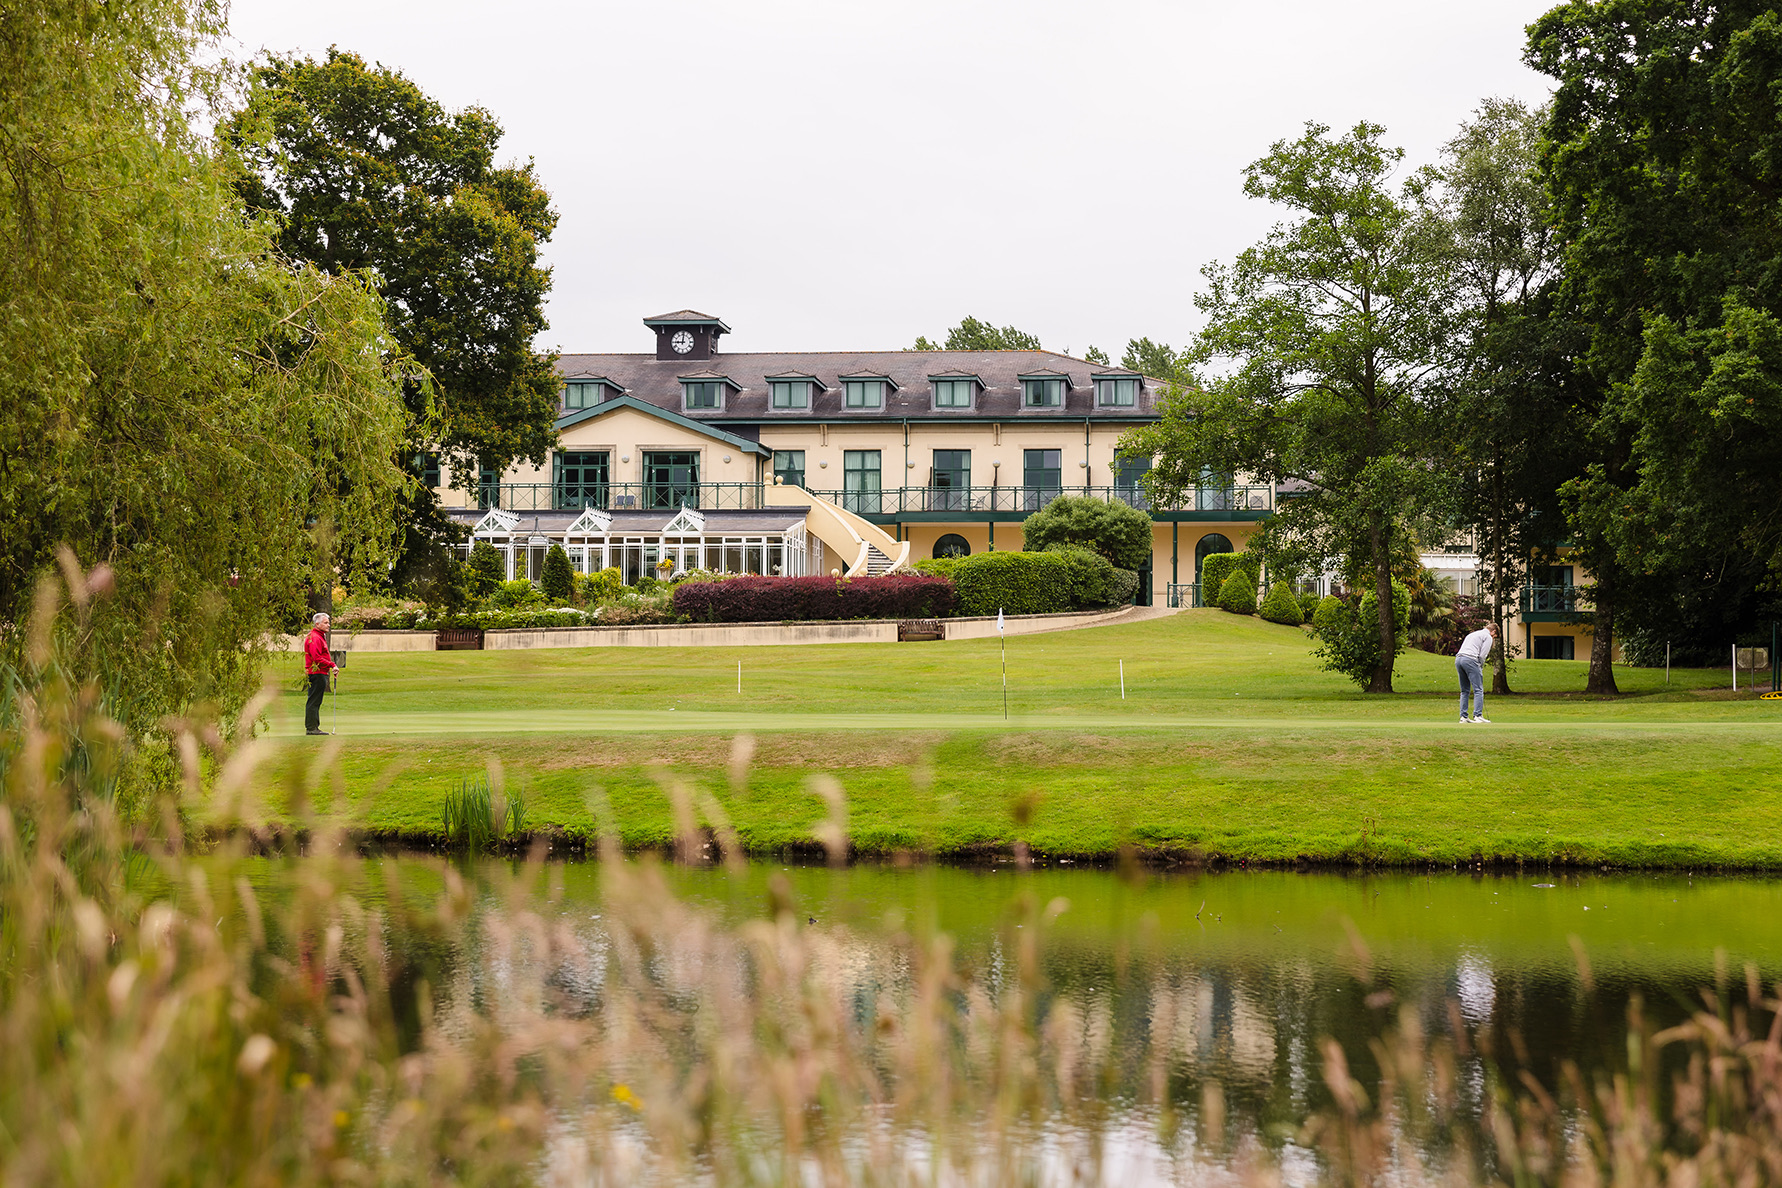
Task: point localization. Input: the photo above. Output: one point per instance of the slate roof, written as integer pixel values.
(657, 382)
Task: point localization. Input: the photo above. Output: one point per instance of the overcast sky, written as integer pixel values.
(833, 175)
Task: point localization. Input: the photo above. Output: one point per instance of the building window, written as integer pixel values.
(579, 394)
(863, 393)
(1042, 474)
(1116, 393)
(1042, 393)
(1127, 486)
(488, 487)
(954, 393)
(427, 470)
(671, 479)
(952, 545)
(1216, 492)
(791, 393)
(860, 482)
(1554, 647)
(703, 394)
(788, 467)
(582, 479)
(1212, 542)
(950, 481)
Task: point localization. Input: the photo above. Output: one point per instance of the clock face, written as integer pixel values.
(682, 342)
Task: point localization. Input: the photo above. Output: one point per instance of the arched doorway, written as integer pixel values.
(952, 545)
(1209, 544)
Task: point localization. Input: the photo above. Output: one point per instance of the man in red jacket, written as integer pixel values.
(318, 663)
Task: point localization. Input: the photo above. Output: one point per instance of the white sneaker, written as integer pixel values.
(1466, 721)
(1481, 721)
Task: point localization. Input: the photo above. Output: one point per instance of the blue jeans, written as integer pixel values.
(1472, 680)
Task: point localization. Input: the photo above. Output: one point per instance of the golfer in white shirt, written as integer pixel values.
(1470, 664)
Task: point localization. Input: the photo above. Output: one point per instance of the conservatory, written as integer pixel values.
(769, 541)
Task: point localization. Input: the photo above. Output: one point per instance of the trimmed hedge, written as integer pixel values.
(1280, 606)
(772, 599)
(1215, 569)
(1324, 618)
(1090, 574)
(1014, 583)
(1122, 585)
(1238, 594)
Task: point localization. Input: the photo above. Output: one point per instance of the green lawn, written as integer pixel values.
(1229, 742)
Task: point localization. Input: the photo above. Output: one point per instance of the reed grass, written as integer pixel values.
(479, 814)
(161, 1022)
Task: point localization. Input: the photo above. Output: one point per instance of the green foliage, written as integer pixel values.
(364, 172)
(1116, 530)
(1280, 606)
(1348, 640)
(1217, 567)
(558, 582)
(1238, 594)
(1014, 583)
(1329, 341)
(1327, 613)
(1122, 585)
(1432, 619)
(1090, 574)
(1155, 359)
(477, 816)
(593, 589)
(487, 569)
(517, 594)
(938, 566)
(178, 400)
(1096, 355)
(973, 335)
(1308, 606)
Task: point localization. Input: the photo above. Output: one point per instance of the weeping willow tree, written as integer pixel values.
(179, 403)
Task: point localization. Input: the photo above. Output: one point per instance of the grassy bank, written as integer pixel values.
(1229, 743)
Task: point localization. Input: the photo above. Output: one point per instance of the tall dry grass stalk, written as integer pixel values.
(163, 1024)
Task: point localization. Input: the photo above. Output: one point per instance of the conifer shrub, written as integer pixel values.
(1324, 618)
(486, 569)
(1238, 594)
(558, 582)
(1280, 606)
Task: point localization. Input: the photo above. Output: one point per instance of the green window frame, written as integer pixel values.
(704, 394)
(578, 394)
(863, 393)
(1043, 469)
(1042, 393)
(427, 470)
(954, 393)
(862, 481)
(788, 467)
(790, 393)
(671, 478)
(1117, 393)
(581, 478)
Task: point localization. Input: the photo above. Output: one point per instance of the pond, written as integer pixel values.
(1182, 983)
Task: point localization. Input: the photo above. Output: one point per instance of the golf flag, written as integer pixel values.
(999, 620)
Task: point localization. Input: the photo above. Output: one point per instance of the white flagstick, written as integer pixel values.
(1122, 680)
(739, 676)
(1005, 664)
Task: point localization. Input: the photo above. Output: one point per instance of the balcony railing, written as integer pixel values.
(1550, 600)
(667, 496)
(900, 501)
(1177, 595)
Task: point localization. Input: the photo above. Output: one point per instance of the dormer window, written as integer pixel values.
(791, 394)
(1116, 391)
(703, 391)
(579, 394)
(863, 393)
(954, 390)
(1042, 391)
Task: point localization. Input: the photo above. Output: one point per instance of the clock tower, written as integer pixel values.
(686, 334)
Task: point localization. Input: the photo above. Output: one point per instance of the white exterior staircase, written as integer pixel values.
(870, 549)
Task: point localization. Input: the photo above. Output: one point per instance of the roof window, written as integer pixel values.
(1116, 391)
(954, 390)
(1042, 391)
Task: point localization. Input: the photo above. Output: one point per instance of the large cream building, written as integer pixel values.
(849, 461)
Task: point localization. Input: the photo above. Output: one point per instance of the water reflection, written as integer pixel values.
(1200, 1000)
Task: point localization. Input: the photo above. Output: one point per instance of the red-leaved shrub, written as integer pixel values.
(782, 599)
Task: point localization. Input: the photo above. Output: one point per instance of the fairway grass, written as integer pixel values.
(1229, 743)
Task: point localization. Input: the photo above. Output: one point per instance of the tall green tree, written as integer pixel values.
(366, 173)
(179, 401)
(1328, 342)
(1662, 156)
(1155, 359)
(973, 335)
(1508, 422)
